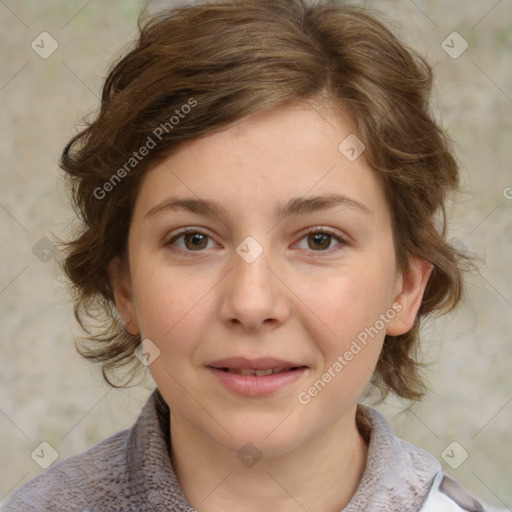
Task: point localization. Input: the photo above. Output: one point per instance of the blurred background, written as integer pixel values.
(54, 58)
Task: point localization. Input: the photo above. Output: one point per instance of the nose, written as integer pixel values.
(253, 296)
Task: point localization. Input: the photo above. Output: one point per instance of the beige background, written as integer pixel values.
(48, 393)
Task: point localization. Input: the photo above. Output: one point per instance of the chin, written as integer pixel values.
(266, 439)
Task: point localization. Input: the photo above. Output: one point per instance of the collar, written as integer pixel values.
(147, 458)
(398, 475)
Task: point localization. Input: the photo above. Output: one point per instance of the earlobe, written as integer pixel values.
(410, 290)
(120, 280)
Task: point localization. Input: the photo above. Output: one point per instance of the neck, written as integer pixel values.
(320, 475)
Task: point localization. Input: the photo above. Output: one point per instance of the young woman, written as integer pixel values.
(261, 195)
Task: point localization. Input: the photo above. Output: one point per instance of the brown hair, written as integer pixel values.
(227, 61)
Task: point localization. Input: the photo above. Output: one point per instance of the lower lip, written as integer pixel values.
(255, 385)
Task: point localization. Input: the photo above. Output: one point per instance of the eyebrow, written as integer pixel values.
(295, 206)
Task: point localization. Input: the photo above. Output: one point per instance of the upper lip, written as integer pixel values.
(261, 363)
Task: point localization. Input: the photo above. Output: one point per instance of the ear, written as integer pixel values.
(409, 289)
(120, 279)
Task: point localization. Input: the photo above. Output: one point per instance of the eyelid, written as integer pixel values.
(324, 229)
(189, 229)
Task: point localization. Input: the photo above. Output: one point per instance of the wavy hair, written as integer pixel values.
(235, 59)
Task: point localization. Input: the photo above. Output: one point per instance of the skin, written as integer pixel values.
(301, 300)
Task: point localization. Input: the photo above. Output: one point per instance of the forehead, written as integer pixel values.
(262, 162)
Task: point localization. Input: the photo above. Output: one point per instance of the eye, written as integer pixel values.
(195, 240)
(319, 239)
(190, 240)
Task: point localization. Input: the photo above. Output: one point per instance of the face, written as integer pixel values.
(264, 247)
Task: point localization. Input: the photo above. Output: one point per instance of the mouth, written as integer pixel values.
(259, 363)
(256, 377)
(259, 373)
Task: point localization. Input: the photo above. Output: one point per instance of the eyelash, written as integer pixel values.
(326, 231)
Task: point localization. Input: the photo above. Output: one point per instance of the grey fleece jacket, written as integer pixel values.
(131, 471)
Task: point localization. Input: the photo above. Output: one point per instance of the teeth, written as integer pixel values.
(251, 371)
(264, 372)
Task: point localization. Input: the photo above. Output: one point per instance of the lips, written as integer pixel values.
(256, 377)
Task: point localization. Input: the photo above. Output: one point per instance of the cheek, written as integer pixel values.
(352, 310)
(174, 312)
(170, 306)
(345, 303)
